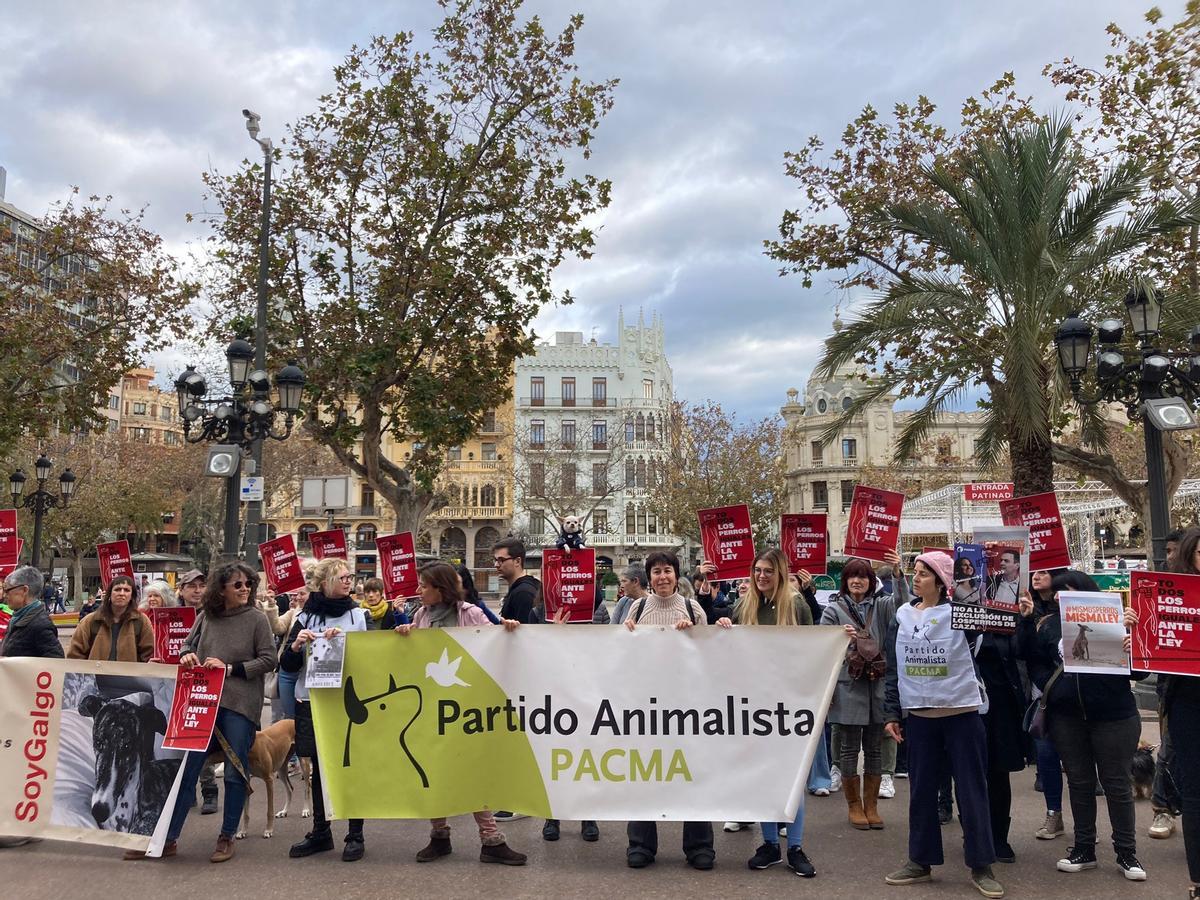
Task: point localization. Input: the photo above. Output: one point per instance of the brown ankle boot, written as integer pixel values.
(871, 800)
(858, 816)
(438, 846)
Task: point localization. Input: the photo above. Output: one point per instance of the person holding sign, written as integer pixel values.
(118, 630)
(444, 606)
(231, 634)
(931, 676)
(771, 601)
(328, 611)
(1095, 725)
(857, 708)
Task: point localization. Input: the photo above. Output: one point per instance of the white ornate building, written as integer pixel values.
(609, 401)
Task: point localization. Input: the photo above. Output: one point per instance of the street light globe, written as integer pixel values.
(42, 467)
(66, 484)
(290, 382)
(240, 356)
(16, 485)
(259, 381)
(1144, 310)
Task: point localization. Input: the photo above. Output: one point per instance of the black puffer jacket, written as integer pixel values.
(33, 635)
(1100, 698)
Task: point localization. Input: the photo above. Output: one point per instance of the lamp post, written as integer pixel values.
(1146, 379)
(234, 422)
(41, 500)
(254, 507)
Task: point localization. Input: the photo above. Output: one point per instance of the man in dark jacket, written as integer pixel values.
(31, 631)
(508, 556)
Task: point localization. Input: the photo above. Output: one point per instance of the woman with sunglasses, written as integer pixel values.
(329, 610)
(232, 635)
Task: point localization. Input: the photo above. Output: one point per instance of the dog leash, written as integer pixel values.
(233, 758)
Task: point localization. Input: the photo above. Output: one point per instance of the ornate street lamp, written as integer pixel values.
(41, 500)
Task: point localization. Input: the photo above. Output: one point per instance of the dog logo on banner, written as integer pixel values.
(359, 710)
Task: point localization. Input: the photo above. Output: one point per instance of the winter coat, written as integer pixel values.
(32, 635)
(997, 665)
(468, 615)
(860, 702)
(93, 637)
(519, 602)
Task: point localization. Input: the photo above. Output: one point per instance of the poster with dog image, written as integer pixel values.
(325, 659)
(1093, 633)
(82, 756)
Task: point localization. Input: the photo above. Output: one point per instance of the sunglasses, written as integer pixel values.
(237, 585)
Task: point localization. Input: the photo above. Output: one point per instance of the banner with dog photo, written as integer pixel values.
(82, 756)
(584, 723)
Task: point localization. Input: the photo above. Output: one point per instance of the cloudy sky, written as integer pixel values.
(136, 99)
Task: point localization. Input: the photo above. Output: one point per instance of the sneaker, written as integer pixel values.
(506, 816)
(589, 831)
(986, 883)
(210, 802)
(501, 853)
(1078, 859)
(887, 787)
(902, 773)
(736, 826)
(1163, 826)
(765, 856)
(224, 849)
(783, 830)
(911, 873)
(550, 830)
(1051, 828)
(835, 779)
(798, 863)
(1131, 867)
(820, 792)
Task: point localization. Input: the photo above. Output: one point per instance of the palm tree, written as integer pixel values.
(1022, 238)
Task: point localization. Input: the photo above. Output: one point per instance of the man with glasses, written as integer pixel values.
(31, 632)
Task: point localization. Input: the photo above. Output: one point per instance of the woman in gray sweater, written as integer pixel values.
(231, 634)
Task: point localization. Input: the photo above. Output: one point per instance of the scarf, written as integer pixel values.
(444, 615)
(29, 609)
(378, 610)
(321, 607)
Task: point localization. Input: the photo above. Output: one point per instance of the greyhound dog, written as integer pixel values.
(268, 758)
(131, 785)
(1079, 649)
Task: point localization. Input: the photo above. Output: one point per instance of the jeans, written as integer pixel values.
(1049, 767)
(239, 732)
(795, 835)
(870, 739)
(1087, 746)
(819, 775)
(1183, 713)
(287, 693)
(697, 838)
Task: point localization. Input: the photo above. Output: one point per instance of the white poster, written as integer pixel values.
(325, 659)
(1093, 633)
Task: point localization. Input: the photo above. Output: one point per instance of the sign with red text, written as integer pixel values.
(281, 565)
(569, 581)
(873, 524)
(805, 540)
(194, 709)
(114, 561)
(398, 564)
(984, 491)
(9, 547)
(1047, 537)
(1167, 636)
(728, 540)
(1093, 633)
(171, 626)
(9, 563)
(329, 544)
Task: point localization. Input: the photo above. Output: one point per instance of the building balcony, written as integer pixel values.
(345, 512)
(568, 402)
(472, 465)
(471, 512)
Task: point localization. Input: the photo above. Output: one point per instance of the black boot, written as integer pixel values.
(319, 840)
(209, 793)
(355, 847)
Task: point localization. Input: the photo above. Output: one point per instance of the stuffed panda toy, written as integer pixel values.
(570, 535)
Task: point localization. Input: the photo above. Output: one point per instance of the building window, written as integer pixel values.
(599, 479)
(820, 495)
(113, 426)
(537, 522)
(847, 402)
(641, 473)
(489, 421)
(568, 479)
(630, 520)
(600, 521)
(454, 454)
(650, 428)
(537, 391)
(641, 521)
(114, 403)
(488, 450)
(304, 537)
(365, 537)
(171, 439)
(139, 409)
(640, 428)
(537, 435)
(568, 434)
(847, 494)
(849, 449)
(818, 454)
(976, 447)
(141, 435)
(630, 472)
(366, 497)
(599, 392)
(652, 524)
(166, 414)
(537, 478)
(599, 435)
(568, 392)
(487, 496)
(647, 389)
(629, 433)
(822, 406)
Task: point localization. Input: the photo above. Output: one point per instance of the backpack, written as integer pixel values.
(864, 656)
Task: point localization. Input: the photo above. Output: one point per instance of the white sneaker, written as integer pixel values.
(835, 779)
(1163, 825)
(887, 787)
(736, 826)
(820, 792)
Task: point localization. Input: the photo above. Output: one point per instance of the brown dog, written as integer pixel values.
(268, 758)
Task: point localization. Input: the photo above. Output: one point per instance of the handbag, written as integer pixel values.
(863, 656)
(1034, 721)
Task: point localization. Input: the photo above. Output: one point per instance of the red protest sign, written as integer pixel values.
(982, 491)
(329, 544)
(569, 580)
(114, 561)
(1047, 537)
(9, 547)
(1167, 636)
(727, 540)
(805, 541)
(171, 626)
(194, 709)
(9, 563)
(281, 565)
(398, 564)
(873, 525)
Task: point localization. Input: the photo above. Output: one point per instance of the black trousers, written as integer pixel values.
(1088, 747)
(697, 838)
(1183, 718)
(303, 747)
(931, 742)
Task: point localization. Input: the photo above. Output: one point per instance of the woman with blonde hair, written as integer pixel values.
(770, 600)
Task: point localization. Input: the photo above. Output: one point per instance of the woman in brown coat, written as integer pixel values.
(117, 630)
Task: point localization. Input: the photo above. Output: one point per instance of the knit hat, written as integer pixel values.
(188, 577)
(942, 565)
